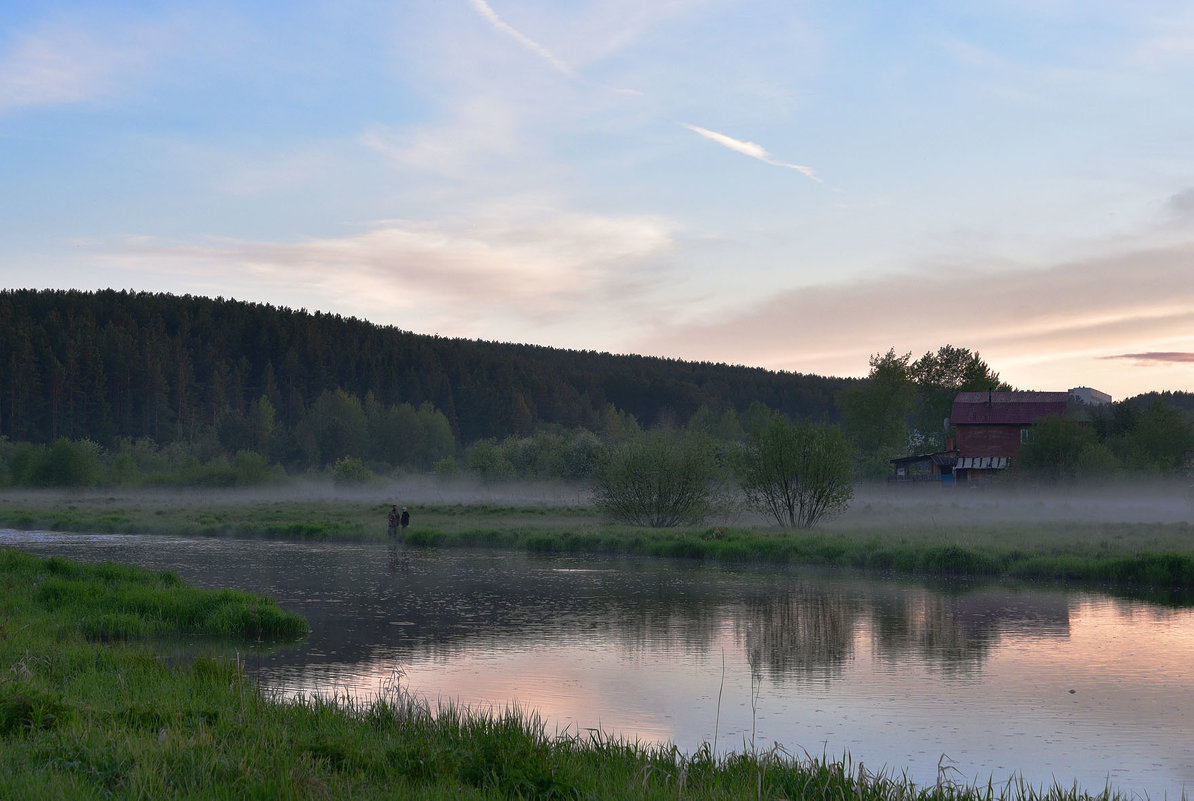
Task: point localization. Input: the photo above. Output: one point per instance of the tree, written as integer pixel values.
(657, 479)
(958, 369)
(69, 463)
(338, 422)
(1060, 448)
(486, 459)
(1154, 438)
(262, 422)
(875, 412)
(435, 440)
(939, 377)
(797, 472)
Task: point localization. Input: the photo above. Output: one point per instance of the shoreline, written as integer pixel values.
(83, 716)
(976, 536)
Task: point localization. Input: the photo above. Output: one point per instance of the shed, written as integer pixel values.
(925, 467)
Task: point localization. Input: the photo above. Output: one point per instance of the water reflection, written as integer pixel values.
(799, 632)
(895, 673)
(955, 632)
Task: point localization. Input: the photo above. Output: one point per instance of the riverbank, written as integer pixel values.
(1146, 559)
(89, 714)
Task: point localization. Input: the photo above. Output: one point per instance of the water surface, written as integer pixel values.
(963, 683)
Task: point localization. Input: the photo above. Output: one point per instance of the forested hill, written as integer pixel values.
(114, 364)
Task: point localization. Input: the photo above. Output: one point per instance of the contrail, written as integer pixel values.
(755, 151)
(527, 42)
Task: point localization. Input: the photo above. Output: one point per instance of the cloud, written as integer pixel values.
(751, 149)
(466, 276)
(483, 138)
(73, 63)
(530, 44)
(1181, 204)
(1020, 319)
(1163, 39)
(1156, 357)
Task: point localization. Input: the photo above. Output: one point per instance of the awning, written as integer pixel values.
(982, 463)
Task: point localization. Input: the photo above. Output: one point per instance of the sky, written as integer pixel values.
(776, 183)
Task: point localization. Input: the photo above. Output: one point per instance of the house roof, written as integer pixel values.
(940, 458)
(1006, 408)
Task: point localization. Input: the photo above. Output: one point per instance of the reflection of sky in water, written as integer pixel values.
(895, 674)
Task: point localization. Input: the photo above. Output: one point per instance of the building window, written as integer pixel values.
(1024, 435)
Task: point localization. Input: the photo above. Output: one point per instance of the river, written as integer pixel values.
(960, 683)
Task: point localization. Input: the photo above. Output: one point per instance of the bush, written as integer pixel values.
(350, 470)
(124, 471)
(658, 479)
(799, 473)
(251, 468)
(23, 460)
(68, 464)
(487, 460)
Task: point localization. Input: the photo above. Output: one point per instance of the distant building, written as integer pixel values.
(991, 427)
(937, 467)
(1091, 397)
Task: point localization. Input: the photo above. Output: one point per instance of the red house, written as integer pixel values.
(991, 426)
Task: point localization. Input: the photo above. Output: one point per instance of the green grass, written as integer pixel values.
(227, 514)
(118, 602)
(1146, 560)
(88, 718)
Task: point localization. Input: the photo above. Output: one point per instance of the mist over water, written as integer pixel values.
(873, 506)
(1170, 501)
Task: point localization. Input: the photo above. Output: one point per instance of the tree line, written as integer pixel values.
(133, 388)
(111, 364)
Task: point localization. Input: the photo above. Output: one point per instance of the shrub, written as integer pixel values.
(447, 467)
(68, 463)
(251, 468)
(657, 479)
(350, 470)
(799, 473)
(487, 460)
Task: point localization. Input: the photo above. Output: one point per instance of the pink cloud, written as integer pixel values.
(1156, 356)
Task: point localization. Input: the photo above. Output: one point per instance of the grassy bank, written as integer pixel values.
(88, 713)
(1154, 559)
(229, 514)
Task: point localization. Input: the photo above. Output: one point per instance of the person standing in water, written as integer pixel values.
(405, 518)
(394, 519)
